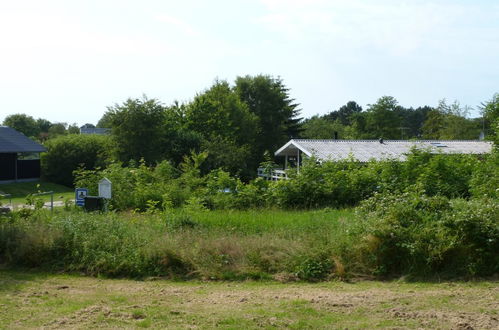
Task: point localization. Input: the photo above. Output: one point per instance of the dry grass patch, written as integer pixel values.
(61, 301)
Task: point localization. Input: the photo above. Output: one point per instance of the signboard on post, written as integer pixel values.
(105, 188)
(80, 194)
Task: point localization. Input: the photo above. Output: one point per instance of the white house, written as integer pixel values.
(364, 150)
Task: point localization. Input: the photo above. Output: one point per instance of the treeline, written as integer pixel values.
(236, 125)
(39, 129)
(389, 120)
(239, 126)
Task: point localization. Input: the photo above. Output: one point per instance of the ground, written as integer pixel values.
(38, 300)
(20, 190)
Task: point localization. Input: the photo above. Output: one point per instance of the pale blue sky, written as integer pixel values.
(67, 60)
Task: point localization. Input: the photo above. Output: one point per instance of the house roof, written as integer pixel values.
(365, 150)
(94, 130)
(12, 141)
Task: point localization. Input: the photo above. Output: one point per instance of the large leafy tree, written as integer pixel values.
(138, 128)
(345, 113)
(318, 127)
(23, 123)
(433, 125)
(277, 113)
(180, 139)
(43, 125)
(226, 126)
(66, 153)
(450, 122)
(491, 116)
(383, 119)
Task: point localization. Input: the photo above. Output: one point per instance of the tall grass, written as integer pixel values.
(389, 235)
(185, 244)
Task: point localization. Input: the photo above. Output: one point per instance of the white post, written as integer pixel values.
(298, 161)
(286, 162)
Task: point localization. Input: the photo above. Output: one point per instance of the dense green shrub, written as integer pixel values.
(328, 184)
(66, 153)
(415, 234)
(485, 178)
(392, 235)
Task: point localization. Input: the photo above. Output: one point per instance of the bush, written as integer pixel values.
(66, 153)
(420, 235)
(328, 184)
(485, 179)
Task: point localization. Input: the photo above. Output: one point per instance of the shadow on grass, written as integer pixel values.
(13, 279)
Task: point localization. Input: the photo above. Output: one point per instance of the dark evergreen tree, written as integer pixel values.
(277, 114)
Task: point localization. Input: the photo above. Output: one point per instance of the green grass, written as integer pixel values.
(40, 300)
(255, 244)
(20, 190)
(225, 245)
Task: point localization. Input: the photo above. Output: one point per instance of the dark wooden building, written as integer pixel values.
(19, 156)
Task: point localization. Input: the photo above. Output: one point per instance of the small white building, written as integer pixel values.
(365, 150)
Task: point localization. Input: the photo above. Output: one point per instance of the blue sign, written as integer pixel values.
(80, 194)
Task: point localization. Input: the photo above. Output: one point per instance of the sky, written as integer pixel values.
(67, 61)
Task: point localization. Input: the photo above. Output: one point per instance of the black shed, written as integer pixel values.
(19, 156)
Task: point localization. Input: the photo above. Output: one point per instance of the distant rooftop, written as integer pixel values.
(365, 150)
(94, 130)
(12, 141)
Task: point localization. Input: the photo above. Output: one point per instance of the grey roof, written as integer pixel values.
(365, 150)
(12, 141)
(94, 130)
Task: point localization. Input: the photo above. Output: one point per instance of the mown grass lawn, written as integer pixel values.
(20, 190)
(40, 300)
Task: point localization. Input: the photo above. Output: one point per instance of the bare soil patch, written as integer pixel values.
(61, 301)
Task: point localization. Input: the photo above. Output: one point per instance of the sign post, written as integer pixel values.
(105, 188)
(80, 194)
(105, 191)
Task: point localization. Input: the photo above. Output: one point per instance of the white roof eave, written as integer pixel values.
(296, 145)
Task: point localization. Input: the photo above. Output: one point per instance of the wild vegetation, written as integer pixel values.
(387, 236)
(186, 205)
(238, 125)
(317, 185)
(432, 215)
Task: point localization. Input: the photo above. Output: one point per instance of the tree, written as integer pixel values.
(57, 129)
(413, 121)
(449, 122)
(73, 129)
(22, 123)
(66, 153)
(138, 126)
(223, 120)
(105, 121)
(277, 114)
(433, 125)
(383, 119)
(43, 125)
(180, 139)
(490, 111)
(318, 127)
(344, 113)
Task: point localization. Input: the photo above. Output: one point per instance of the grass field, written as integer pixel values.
(203, 244)
(39, 300)
(20, 190)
